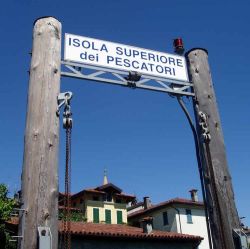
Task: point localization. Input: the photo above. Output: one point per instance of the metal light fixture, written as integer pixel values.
(132, 78)
(178, 46)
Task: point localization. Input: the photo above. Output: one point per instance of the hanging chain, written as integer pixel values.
(67, 198)
(67, 125)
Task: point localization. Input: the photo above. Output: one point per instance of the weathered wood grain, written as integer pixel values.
(40, 162)
(223, 214)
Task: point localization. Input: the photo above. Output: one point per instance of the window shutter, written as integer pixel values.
(119, 217)
(165, 218)
(108, 216)
(189, 216)
(96, 215)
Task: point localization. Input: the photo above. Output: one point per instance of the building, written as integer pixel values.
(183, 216)
(105, 224)
(103, 204)
(113, 236)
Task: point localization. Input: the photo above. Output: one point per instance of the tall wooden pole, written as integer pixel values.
(40, 164)
(222, 211)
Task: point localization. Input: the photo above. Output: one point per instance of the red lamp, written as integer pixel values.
(178, 46)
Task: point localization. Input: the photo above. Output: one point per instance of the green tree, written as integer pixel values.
(6, 207)
(74, 216)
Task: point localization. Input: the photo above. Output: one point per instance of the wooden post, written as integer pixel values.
(39, 194)
(223, 215)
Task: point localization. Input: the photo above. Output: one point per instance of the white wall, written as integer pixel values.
(198, 227)
(135, 209)
(158, 220)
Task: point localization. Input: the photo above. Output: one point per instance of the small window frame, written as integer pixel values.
(189, 216)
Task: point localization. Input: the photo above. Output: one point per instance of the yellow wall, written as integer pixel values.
(106, 205)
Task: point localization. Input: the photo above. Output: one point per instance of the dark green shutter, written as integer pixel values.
(108, 216)
(96, 215)
(189, 216)
(119, 217)
(165, 218)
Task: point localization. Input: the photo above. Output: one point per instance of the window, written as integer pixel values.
(118, 201)
(96, 215)
(165, 218)
(95, 198)
(119, 217)
(108, 216)
(189, 216)
(74, 204)
(81, 201)
(109, 197)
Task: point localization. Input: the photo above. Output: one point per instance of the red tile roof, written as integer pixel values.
(13, 221)
(125, 231)
(124, 195)
(166, 204)
(117, 231)
(109, 186)
(130, 197)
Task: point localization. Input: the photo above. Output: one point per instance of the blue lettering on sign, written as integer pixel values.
(143, 55)
(171, 61)
(119, 50)
(91, 57)
(159, 69)
(126, 63)
(151, 66)
(168, 70)
(104, 48)
(75, 42)
(118, 61)
(86, 44)
(163, 59)
(110, 58)
(135, 53)
(133, 64)
(179, 63)
(144, 66)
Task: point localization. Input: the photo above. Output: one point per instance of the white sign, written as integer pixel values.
(123, 57)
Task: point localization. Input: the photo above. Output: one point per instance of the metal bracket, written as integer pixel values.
(132, 78)
(240, 239)
(118, 77)
(45, 238)
(204, 126)
(63, 99)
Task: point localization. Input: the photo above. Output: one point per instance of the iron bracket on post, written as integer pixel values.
(132, 78)
(62, 99)
(204, 126)
(45, 238)
(122, 78)
(240, 239)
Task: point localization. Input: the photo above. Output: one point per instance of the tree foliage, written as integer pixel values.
(6, 204)
(74, 216)
(6, 207)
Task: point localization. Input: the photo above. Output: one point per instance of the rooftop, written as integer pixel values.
(166, 204)
(125, 231)
(116, 231)
(103, 189)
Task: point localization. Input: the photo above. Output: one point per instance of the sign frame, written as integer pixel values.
(108, 44)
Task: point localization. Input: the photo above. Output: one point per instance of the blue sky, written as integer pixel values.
(141, 137)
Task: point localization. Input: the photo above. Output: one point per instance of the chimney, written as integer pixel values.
(194, 195)
(147, 202)
(147, 225)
